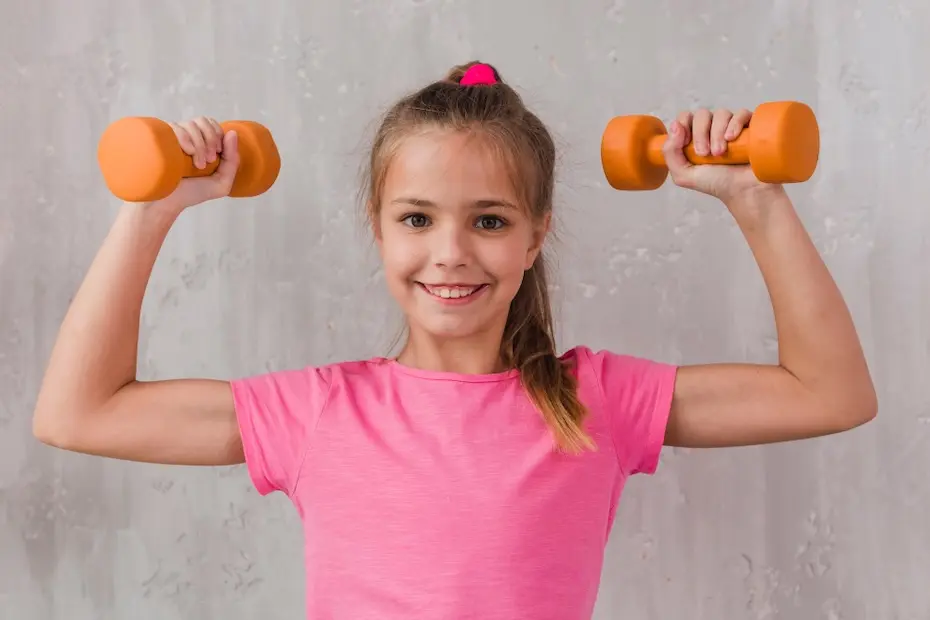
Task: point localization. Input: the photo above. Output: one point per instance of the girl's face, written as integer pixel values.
(454, 239)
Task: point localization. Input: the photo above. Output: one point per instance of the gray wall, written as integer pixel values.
(834, 528)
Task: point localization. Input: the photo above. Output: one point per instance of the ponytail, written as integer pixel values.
(529, 345)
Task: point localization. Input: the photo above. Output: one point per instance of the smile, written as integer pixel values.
(451, 292)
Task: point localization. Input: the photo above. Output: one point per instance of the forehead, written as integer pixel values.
(445, 165)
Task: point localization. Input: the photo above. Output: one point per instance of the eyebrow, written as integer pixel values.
(478, 204)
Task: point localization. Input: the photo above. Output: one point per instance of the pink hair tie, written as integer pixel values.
(478, 74)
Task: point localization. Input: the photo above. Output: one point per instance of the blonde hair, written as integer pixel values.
(525, 145)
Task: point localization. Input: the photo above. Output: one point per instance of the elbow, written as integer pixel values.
(55, 418)
(843, 406)
(67, 423)
(868, 408)
(52, 431)
(46, 432)
(859, 407)
(868, 400)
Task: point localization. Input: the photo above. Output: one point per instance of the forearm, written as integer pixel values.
(817, 339)
(97, 346)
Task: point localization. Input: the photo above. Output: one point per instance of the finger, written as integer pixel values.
(739, 122)
(184, 138)
(718, 127)
(685, 119)
(219, 132)
(678, 165)
(211, 137)
(700, 132)
(200, 149)
(229, 162)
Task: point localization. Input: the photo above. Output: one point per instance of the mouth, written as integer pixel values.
(452, 292)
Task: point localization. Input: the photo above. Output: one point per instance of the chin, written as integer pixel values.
(446, 328)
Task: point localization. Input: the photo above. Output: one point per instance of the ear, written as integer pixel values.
(540, 231)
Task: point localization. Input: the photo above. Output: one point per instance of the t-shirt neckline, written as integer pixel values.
(442, 375)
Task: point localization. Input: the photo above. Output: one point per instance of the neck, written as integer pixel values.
(474, 355)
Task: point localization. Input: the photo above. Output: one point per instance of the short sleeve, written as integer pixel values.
(637, 395)
(277, 413)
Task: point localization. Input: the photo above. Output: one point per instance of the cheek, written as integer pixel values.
(506, 258)
(400, 255)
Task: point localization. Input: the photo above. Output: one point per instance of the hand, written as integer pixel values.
(710, 132)
(204, 140)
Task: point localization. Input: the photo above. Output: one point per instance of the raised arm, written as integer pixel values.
(821, 384)
(90, 400)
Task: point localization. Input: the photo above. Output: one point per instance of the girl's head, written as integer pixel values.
(459, 189)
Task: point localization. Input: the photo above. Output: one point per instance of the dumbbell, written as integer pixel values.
(142, 160)
(781, 144)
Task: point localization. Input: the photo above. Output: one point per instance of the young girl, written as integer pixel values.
(476, 475)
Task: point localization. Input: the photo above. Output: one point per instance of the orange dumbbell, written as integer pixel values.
(141, 159)
(781, 144)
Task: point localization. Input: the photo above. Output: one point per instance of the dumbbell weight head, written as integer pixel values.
(784, 142)
(628, 155)
(259, 160)
(141, 160)
(781, 145)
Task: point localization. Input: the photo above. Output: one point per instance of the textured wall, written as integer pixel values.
(833, 528)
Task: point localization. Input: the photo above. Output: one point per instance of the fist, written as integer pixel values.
(205, 141)
(710, 133)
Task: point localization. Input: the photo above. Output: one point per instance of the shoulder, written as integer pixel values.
(309, 380)
(623, 387)
(602, 365)
(634, 396)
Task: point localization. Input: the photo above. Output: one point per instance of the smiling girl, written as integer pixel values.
(477, 474)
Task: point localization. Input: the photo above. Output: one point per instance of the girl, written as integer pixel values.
(477, 474)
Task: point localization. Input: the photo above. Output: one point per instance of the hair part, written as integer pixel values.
(497, 113)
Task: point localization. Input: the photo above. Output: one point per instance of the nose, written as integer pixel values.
(451, 247)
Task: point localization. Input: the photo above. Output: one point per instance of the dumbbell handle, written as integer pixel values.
(737, 152)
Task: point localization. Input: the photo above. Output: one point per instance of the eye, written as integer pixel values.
(490, 222)
(416, 220)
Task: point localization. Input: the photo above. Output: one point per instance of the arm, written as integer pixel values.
(821, 384)
(90, 400)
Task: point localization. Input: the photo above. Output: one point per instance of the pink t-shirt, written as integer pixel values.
(428, 495)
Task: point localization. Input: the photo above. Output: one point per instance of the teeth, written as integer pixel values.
(451, 293)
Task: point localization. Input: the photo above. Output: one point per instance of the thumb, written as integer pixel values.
(229, 161)
(678, 165)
